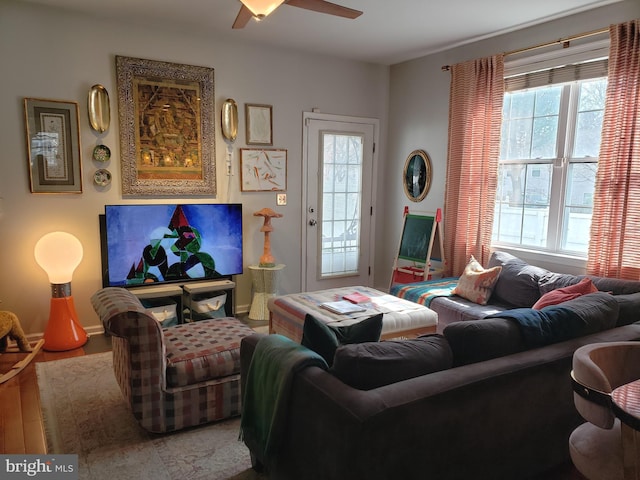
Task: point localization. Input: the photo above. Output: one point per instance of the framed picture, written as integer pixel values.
(259, 124)
(167, 141)
(263, 170)
(53, 146)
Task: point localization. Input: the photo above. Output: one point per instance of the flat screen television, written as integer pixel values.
(156, 244)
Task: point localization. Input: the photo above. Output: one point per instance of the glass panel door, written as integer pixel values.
(338, 213)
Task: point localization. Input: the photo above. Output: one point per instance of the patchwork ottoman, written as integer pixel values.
(175, 377)
(401, 318)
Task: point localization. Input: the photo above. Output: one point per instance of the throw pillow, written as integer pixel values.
(553, 281)
(629, 307)
(517, 285)
(372, 365)
(325, 339)
(554, 297)
(476, 284)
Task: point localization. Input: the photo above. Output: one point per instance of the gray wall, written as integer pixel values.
(52, 54)
(418, 118)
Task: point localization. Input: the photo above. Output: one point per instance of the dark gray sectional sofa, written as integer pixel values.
(493, 406)
(520, 285)
(505, 418)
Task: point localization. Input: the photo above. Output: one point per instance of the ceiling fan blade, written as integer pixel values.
(325, 7)
(244, 15)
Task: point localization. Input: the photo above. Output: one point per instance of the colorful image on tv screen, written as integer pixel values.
(172, 243)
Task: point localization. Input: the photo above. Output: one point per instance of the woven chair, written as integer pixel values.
(175, 377)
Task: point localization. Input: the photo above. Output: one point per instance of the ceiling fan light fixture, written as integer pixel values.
(261, 8)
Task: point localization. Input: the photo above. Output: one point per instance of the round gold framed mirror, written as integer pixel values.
(416, 177)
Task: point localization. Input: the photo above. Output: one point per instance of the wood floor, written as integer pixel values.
(21, 428)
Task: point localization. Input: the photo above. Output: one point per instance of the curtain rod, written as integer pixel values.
(564, 41)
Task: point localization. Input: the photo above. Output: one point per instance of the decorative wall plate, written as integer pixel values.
(101, 153)
(102, 177)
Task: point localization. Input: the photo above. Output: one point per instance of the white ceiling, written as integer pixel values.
(388, 32)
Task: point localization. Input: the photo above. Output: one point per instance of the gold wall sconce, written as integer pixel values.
(98, 108)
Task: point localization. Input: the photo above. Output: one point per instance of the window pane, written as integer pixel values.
(589, 119)
(341, 191)
(592, 95)
(538, 185)
(522, 104)
(576, 227)
(578, 206)
(545, 131)
(581, 181)
(548, 101)
(522, 208)
(588, 130)
(530, 124)
(519, 140)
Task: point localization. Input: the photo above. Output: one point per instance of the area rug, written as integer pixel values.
(85, 414)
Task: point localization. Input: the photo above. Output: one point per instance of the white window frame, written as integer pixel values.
(587, 51)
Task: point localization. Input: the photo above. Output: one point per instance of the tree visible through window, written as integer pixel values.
(548, 159)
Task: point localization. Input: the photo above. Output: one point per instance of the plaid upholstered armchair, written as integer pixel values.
(175, 377)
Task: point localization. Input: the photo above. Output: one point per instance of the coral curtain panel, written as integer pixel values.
(475, 116)
(614, 248)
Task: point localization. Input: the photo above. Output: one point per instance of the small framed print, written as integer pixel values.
(259, 124)
(263, 170)
(53, 146)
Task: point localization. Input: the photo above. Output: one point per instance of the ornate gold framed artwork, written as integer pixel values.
(53, 146)
(259, 124)
(167, 140)
(263, 170)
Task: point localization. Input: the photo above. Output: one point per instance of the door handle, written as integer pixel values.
(313, 222)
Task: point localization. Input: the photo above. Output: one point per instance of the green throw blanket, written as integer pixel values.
(275, 361)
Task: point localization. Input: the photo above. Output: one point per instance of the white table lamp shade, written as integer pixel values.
(58, 253)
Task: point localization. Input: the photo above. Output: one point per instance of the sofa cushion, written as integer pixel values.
(476, 283)
(372, 365)
(574, 318)
(478, 340)
(552, 281)
(517, 284)
(206, 350)
(560, 295)
(629, 308)
(616, 286)
(324, 339)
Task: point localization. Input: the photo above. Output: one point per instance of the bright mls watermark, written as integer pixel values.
(52, 467)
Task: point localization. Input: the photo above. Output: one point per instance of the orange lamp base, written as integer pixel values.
(63, 331)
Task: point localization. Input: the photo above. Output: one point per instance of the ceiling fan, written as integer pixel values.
(261, 8)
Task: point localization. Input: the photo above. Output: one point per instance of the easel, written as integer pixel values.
(421, 249)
